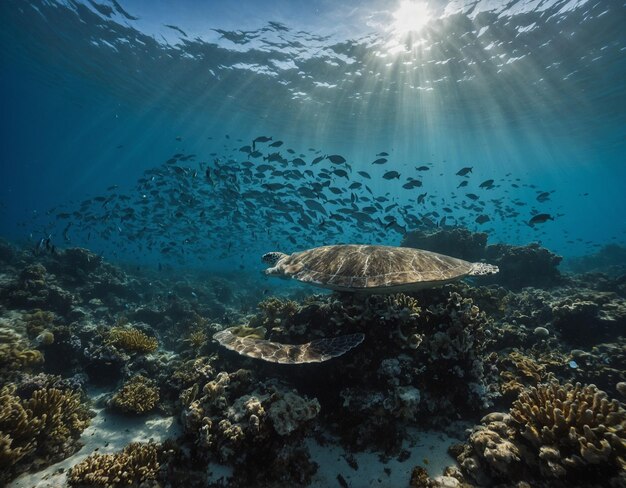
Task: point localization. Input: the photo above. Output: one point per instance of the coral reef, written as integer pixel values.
(15, 356)
(458, 242)
(42, 428)
(249, 424)
(522, 266)
(570, 435)
(610, 259)
(132, 340)
(138, 395)
(136, 464)
(588, 317)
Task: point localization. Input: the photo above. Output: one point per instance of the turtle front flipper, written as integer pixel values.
(316, 351)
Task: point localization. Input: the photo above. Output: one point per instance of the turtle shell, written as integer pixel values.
(372, 268)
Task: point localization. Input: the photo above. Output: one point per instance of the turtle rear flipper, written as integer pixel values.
(316, 351)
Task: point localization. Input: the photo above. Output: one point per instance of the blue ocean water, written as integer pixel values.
(527, 94)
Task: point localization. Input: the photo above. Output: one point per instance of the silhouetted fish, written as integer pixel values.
(464, 171)
(540, 219)
(336, 159)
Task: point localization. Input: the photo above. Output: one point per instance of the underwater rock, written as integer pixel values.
(137, 464)
(571, 435)
(588, 317)
(522, 266)
(610, 260)
(457, 242)
(35, 288)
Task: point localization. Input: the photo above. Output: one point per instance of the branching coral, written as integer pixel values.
(138, 395)
(132, 340)
(45, 426)
(274, 312)
(572, 426)
(518, 372)
(137, 463)
(571, 435)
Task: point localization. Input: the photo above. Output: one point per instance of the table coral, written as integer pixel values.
(132, 340)
(44, 427)
(138, 395)
(137, 463)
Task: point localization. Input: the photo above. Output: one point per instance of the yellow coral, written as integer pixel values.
(571, 425)
(138, 395)
(197, 339)
(46, 425)
(37, 321)
(135, 464)
(274, 312)
(132, 340)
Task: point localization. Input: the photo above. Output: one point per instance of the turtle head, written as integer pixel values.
(483, 269)
(271, 258)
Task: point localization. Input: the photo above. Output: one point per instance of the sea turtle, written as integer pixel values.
(348, 268)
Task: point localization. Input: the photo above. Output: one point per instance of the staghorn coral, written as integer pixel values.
(44, 427)
(137, 463)
(138, 395)
(569, 435)
(132, 340)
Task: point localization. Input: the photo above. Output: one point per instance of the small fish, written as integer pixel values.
(481, 219)
(364, 174)
(382, 154)
(540, 219)
(543, 196)
(389, 175)
(340, 172)
(260, 139)
(420, 198)
(380, 161)
(472, 196)
(317, 159)
(276, 144)
(422, 168)
(486, 184)
(336, 159)
(464, 171)
(462, 184)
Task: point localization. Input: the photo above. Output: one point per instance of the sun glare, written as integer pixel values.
(410, 16)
